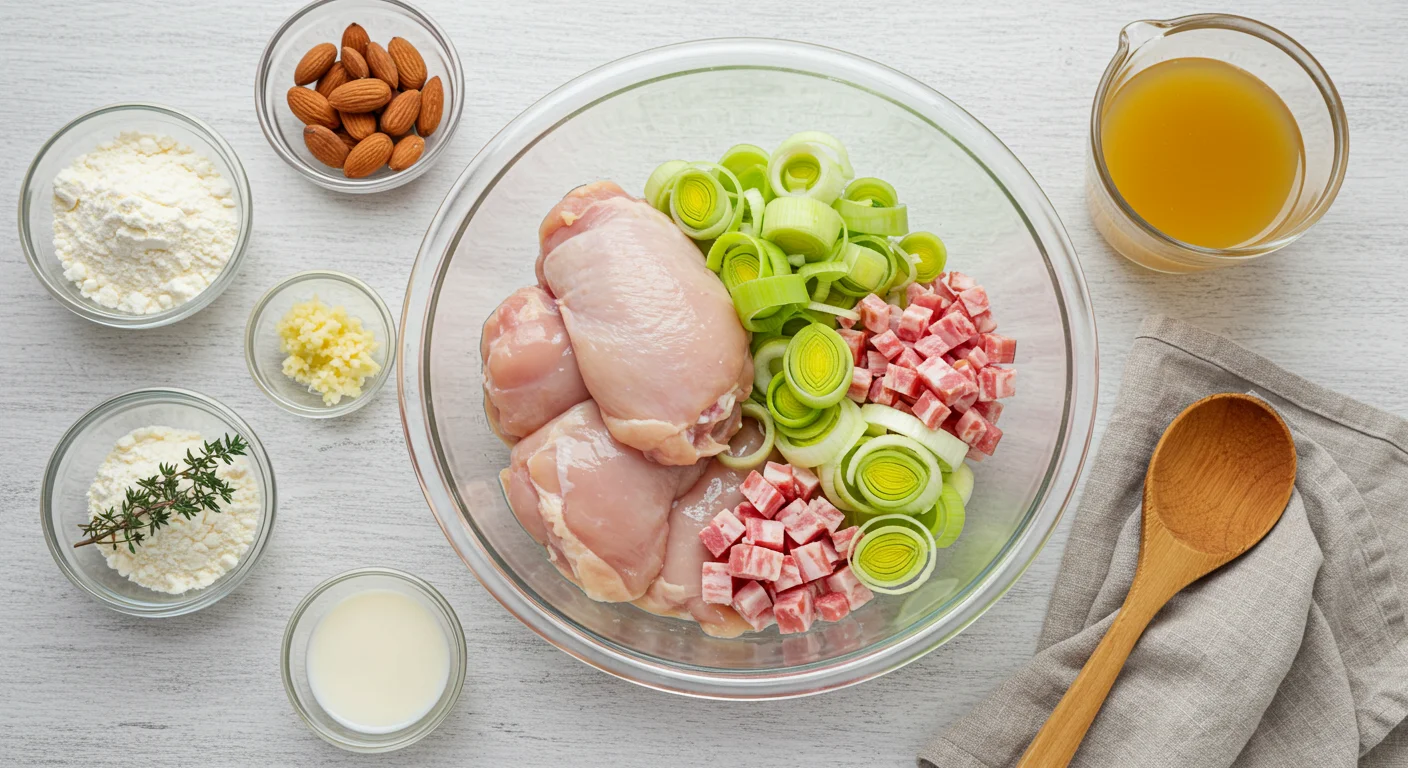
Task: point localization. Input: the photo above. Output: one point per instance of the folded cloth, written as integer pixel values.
(1295, 654)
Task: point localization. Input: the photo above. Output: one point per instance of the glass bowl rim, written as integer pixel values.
(325, 178)
(100, 315)
(431, 720)
(860, 73)
(1270, 35)
(350, 404)
(199, 598)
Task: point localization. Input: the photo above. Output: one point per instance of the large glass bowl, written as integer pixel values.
(693, 101)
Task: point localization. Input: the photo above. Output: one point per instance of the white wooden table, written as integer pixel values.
(79, 682)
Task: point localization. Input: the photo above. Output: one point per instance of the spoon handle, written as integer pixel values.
(1057, 741)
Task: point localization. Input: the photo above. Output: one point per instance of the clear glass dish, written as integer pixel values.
(63, 498)
(299, 632)
(695, 100)
(265, 359)
(1275, 59)
(83, 135)
(323, 22)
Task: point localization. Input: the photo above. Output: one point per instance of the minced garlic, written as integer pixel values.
(328, 351)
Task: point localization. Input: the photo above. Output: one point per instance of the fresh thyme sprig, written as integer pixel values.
(150, 504)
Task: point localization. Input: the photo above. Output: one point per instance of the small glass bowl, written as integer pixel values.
(83, 135)
(63, 499)
(323, 22)
(305, 619)
(265, 359)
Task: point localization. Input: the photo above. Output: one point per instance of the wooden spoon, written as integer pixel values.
(1220, 477)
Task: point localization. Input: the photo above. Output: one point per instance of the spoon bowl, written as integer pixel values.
(1218, 481)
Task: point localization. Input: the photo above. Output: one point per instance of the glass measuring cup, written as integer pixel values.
(1275, 59)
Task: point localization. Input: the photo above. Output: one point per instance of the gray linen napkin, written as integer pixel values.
(1296, 654)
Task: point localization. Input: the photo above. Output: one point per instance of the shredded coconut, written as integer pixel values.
(185, 554)
(143, 223)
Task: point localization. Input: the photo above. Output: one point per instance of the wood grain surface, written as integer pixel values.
(80, 683)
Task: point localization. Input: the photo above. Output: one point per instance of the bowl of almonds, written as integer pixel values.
(359, 95)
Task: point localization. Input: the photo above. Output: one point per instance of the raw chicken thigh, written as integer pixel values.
(530, 373)
(598, 506)
(656, 337)
(676, 591)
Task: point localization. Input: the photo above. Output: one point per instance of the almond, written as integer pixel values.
(432, 104)
(347, 140)
(356, 38)
(381, 65)
(370, 154)
(400, 115)
(355, 64)
(360, 95)
(359, 125)
(311, 108)
(325, 145)
(335, 76)
(315, 63)
(406, 152)
(410, 66)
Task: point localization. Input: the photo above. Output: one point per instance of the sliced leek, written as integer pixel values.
(701, 203)
(894, 554)
(759, 455)
(802, 226)
(767, 363)
(929, 252)
(801, 170)
(949, 450)
(952, 516)
(749, 163)
(825, 142)
(657, 187)
(738, 257)
(818, 366)
(787, 411)
(871, 206)
(814, 453)
(895, 474)
(962, 480)
(757, 301)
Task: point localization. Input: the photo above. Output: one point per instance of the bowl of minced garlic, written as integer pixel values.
(320, 344)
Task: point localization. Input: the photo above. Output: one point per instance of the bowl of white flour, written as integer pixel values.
(135, 215)
(189, 563)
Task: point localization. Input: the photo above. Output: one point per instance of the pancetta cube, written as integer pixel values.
(766, 533)
(794, 610)
(946, 383)
(721, 533)
(763, 620)
(929, 410)
(914, 320)
(804, 526)
(762, 494)
(932, 301)
(807, 483)
(984, 322)
(844, 582)
(895, 314)
(931, 346)
(874, 314)
(879, 394)
(975, 455)
(965, 367)
(953, 329)
(845, 322)
(987, 444)
(829, 514)
(856, 341)
(717, 585)
(876, 362)
(958, 310)
(832, 606)
(996, 383)
(903, 381)
(746, 561)
(999, 349)
(830, 549)
(958, 282)
(745, 510)
(845, 539)
(860, 384)
(975, 300)
(968, 400)
(941, 289)
(990, 410)
(791, 577)
(902, 406)
(818, 587)
(909, 359)
(976, 356)
(751, 600)
(914, 291)
(779, 476)
(812, 561)
(970, 427)
(887, 344)
(793, 510)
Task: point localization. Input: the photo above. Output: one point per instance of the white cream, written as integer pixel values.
(378, 661)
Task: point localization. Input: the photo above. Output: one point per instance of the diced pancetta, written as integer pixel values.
(751, 600)
(717, 585)
(845, 322)
(830, 549)
(909, 359)
(807, 483)
(931, 346)
(804, 527)
(914, 321)
(844, 582)
(996, 383)
(987, 444)
(984, 322)
(976, 356)
(895, 313)
(953, 329)
(746, 561)
(832, 606)
(946, 383)
(860, 384)
(975, 300)
(779, 476)
(929, 410)
(794, 611)
(745, 510)
(763, 620)
(999, 349)
(887, 344)
(990, 410)
(791, 577)
(766, 533)
(830, 516)
(914, 291)
(962, 404)
(844, 539)
(970, 427)
(874, 314)
(721, 533)
(761, 494)
(903, 381)
(876, 362)
(856, 341)
(959, 282)
(932, 301)
(879, 394)
(965, 367)
(812, 561)
(941, 289)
